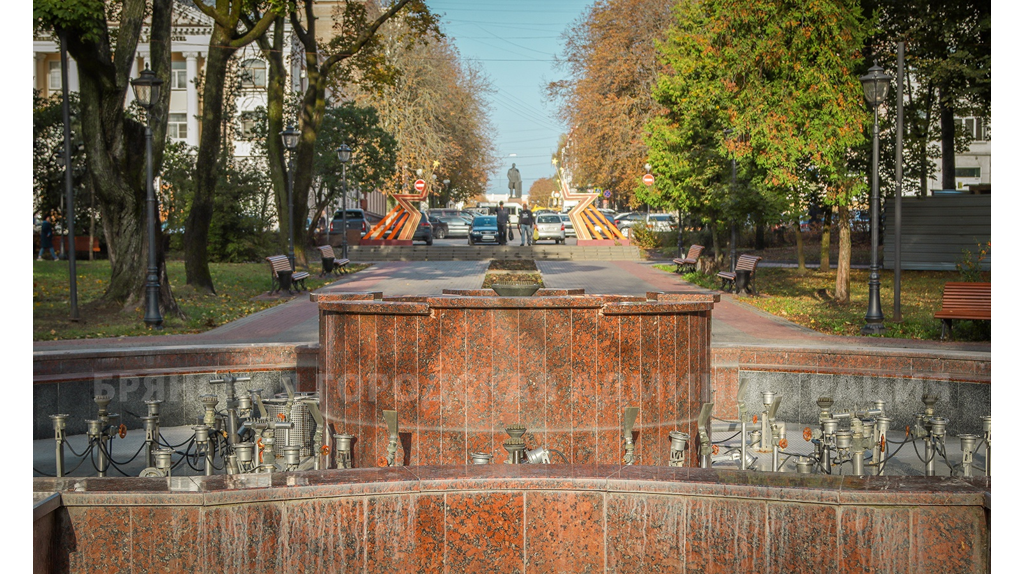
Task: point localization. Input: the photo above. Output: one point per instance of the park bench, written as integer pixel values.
(743, 278)
(330, 264)
(967, 301)
(282, 277)
(690, 261)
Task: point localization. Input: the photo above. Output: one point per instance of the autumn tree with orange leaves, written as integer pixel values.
(612, 65)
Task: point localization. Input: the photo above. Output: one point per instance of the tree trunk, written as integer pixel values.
(116, 148)
(800, 266)
(197, 224)
(826, 241)
(759, 236)
(277, 75)
(845, 252)
(947, 132)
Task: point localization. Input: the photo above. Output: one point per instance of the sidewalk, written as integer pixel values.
(733, 322)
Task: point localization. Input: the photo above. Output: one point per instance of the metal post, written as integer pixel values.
(152, 318)
(732, 238)
(873, 318)
(69, 215)
(291, 237)
(897, 314)
(344, 213)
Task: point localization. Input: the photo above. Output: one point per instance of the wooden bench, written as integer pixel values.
(967, 301)
(282, 277)
(331, 265)
(746, 265)
(690, 261)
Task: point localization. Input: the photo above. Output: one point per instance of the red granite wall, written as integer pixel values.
(459, 370)
(524, 518)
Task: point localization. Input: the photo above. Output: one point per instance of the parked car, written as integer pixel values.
(424, 232)
(457, 226)
(355, 218)
(570, 231)
(550, 226)
(438, 228)
(627, 219)
(484, 230)
(661, 222)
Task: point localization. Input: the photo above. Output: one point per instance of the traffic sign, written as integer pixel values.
(649, 179)
(420, 185)
(607, 193)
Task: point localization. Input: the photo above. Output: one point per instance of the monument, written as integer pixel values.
(515, 183)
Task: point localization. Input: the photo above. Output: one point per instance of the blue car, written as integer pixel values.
(484, 230)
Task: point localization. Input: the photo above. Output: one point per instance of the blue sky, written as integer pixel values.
(515, 44)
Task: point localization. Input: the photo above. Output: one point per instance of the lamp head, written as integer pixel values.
(876, 85)
(147, 88)
(290, 138)
(344, 153)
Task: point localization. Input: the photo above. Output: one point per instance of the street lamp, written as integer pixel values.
(147, 93)
(876, 84)
(344, 155)
(290, 139)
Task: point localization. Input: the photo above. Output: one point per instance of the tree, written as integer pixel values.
(115, 140)
(228, 36)
(436, 111)
(541, 192)
(783, 76)
(333, 65)
(610, 56)
(948, 75)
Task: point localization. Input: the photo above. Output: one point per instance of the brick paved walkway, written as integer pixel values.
(297, 322)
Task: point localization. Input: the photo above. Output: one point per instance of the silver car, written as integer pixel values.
(457, 225)
(550, 226)
(570, 231)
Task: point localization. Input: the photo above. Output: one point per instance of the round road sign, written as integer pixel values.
(649, 179)
(607, 193)
(420, 185)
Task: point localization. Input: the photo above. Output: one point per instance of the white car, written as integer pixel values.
(550, 226)
(661, 222)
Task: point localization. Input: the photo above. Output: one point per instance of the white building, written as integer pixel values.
(974, 167)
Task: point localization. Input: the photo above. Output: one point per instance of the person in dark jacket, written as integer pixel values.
(46, 239)
(502, 223)
(526, 226)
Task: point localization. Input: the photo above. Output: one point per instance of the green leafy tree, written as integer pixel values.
(782, 76)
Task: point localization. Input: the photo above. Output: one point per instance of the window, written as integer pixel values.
(55, 75)
(977, 128)
(254, 74)
(248, 125)
(177, 126)
(179, 76)
(968, 172)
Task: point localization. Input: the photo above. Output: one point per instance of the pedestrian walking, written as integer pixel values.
(526, 226)
(46, 239)
(502, 223)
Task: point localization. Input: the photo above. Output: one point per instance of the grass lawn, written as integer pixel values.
(237, 286)
(807, 299)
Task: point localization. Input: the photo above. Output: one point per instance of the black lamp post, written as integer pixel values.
(344, 155)
(147, 93)
(290, 139)
(876, 84)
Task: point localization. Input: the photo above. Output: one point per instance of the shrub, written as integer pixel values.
(644, 238)
(969, 266)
